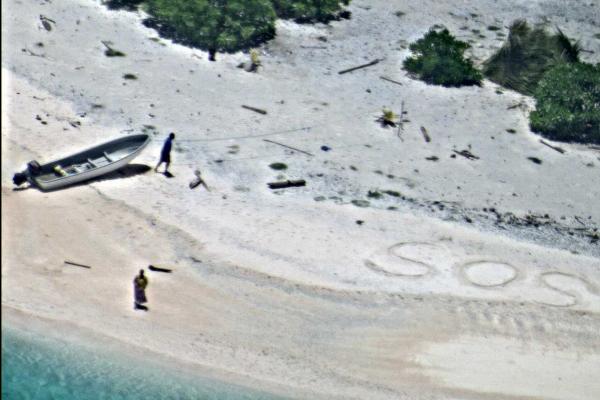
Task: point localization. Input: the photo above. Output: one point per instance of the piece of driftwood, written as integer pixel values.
(159, 269)
(289, 147)
(286, 184)
(466, 154)
(258, 110)
(559, 149)
(425, 134)
(77, 264)
(345, 71)
(391, 80)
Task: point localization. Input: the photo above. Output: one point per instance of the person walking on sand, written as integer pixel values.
(140, 282)
(165, 153)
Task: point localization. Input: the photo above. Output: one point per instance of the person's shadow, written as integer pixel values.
(168, 174)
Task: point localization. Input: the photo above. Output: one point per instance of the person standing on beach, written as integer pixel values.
(140, 282)
(165, 154)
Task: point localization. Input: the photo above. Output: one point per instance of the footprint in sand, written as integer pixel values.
(489, 274)
(408, 259)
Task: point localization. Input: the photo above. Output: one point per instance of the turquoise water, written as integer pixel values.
(34, 367)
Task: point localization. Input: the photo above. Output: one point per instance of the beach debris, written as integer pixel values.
(325, 148)
(376, 61)
(289, 147)
(31, 53)
(313, 47)
(110, 52)
(390, 80)
(425, 134)
(432, 158)
(77, 264)
(359, 222)
(258, 110)
(159, 269)
(401, 123)
(559, 149)
(46, 22)
(387, 118)
(198, 181)
(286, 184)
(535, 160)
(467, 154)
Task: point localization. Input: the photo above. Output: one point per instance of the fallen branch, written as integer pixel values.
(289, 147)
(360, 66)
(559, 149)
(466, 154)
(77, 265)
(425, 134)
(286, 184)
(391, 80)
(258, 110)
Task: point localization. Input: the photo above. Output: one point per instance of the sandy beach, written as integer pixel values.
(400, 271)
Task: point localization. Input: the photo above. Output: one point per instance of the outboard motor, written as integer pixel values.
(20, 178)
(34, 168)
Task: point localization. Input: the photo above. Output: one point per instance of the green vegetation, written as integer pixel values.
(526, 55)
(568, 104)
(439, 59)
(214, 25)
(309, 10)
(227, 25)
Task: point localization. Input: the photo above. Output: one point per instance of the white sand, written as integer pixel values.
(284, 291)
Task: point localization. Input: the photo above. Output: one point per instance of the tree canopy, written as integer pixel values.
(439, 59)
(215, 25)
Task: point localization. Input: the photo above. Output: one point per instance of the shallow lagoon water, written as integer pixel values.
(36, 367)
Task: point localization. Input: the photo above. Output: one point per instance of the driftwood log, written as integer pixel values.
(559, 149)
(258, 110)
(466, 154)
(159, 269)
(345, 71)
(286, 184)
(425, 134)
(390, 80)
(77, 264)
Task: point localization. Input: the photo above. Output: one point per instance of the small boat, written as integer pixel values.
(85, 165)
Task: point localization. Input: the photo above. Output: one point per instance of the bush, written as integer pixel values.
(439, 59)
(527, 54)
(568, 104)
(308, 10)
(215, 25)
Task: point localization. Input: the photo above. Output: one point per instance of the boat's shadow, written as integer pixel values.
(128, 171)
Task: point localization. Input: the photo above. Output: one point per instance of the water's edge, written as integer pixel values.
(41, 366)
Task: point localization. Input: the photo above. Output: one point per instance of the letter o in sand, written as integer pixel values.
(489, 273)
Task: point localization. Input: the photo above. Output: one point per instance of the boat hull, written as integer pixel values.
(120, 158)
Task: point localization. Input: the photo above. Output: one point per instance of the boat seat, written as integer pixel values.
(107, 157)
(91, 163)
